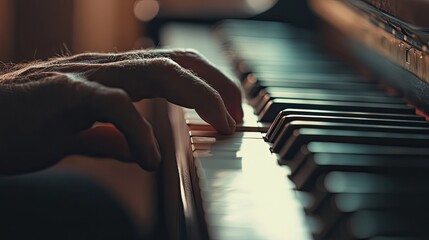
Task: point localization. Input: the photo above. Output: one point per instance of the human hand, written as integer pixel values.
(48, 108)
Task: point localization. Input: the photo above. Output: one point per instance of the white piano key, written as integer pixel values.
(204, 140)
(219, 154)
(231, 233)
(199, 133)
(241, 218)
(222, 140)
(258, 184)
(226, 207)
(220, 174)
(238, 180)
(219, 164)
(225, 195)
(250, 121)
(253, 145)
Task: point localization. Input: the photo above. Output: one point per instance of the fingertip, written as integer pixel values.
(233, 103)
(239, 115)
(231, 122)
(228, 127)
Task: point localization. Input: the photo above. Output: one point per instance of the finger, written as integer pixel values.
(163, 77)
(203, 68)
(114, 106)
(182, 87)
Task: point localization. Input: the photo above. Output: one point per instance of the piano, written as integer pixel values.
(335, 140)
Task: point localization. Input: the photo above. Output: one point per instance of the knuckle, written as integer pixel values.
(164, 67)
(162, 63)
(187, 54)
(192, 52)
(54, 81)
(71, 91)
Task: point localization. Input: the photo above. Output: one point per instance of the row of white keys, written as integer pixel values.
(245, 193)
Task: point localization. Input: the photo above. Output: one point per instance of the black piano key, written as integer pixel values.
(348, 73)
(254, 88)
(330, 97)
(250, 66)
(274, 106)
(275, 67)
(257, 97)
(357, 183)
(315, 165)
(365, 183)
(333, 76)
(351, 202)
(328, 81)
(335, 183)
(318, 112)
(373, 183)
(252, 85)
(275, 125)
(306, 151)
(338, 206)
(352, 149)
(234, 31)
(314, 66)
(396, 238)
(311, 90)
(306, 135)
(370, 224)
(281, 123)
(273, 58)
(369, 125)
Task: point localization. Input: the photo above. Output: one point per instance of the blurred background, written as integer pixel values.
(44, 28)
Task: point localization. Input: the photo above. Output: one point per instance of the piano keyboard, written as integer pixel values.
(322, 153)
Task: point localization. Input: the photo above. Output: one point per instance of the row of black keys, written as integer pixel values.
(358, 156)
(370, 169)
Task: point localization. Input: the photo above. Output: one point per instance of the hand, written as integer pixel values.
(48, 108)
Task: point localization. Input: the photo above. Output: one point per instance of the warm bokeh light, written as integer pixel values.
(146, 10)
